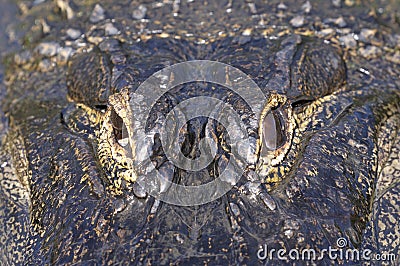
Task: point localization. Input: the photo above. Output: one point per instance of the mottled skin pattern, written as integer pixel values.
(66, 196)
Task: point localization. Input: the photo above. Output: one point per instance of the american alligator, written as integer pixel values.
(330, 178)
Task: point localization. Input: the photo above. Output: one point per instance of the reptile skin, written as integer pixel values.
(68, 193)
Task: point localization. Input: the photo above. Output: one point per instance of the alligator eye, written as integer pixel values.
(273, 136)
(275, 130)
(119, 128)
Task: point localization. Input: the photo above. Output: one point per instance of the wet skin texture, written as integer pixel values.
(67, 194)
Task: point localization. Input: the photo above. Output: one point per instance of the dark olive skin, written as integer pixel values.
(326, 143)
